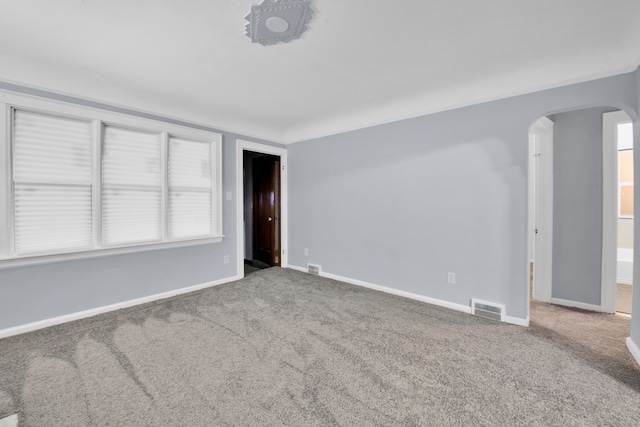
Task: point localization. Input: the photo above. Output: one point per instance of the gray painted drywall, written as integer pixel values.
(635, 318)
(30, 294)
(577, 205)
(402, 204)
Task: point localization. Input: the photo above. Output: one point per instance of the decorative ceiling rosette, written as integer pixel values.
(278, 21)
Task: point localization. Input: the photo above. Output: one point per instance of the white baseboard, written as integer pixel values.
(410, 295)
(633, 348)
(441, 303)
(295, 267)
(517, 320)
(21, 329)
(576, 304)
(624, 281)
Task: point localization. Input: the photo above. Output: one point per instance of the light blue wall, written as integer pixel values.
(577, 205)
(402, 204)
(397, 205)
(30, 294)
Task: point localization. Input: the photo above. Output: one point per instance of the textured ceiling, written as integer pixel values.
(361, 62)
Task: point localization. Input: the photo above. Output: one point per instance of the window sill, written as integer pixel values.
(98, 253)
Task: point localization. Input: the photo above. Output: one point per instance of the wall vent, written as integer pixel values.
(313, 269)
(487, 310)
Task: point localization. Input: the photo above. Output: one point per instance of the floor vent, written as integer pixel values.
(313, 269)
(488, 310)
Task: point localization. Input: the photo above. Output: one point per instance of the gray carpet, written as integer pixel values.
(251, 266)
(284, 348)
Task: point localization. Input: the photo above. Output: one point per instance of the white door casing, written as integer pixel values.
(610, 123)
(242, 146)
(541, 216)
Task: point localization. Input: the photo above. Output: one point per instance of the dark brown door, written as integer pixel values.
(266, 209)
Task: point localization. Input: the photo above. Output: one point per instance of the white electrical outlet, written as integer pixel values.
(226, 259)
(451, 278)
(306, 251)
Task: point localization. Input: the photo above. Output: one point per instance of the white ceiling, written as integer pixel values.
(362, 62)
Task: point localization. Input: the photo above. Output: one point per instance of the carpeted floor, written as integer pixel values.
(624, 298)
(284, 348)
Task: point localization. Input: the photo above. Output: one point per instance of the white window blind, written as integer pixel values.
(191, 190)
(131, 187)
(51, 183)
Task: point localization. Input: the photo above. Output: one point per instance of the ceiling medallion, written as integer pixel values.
(275, 21)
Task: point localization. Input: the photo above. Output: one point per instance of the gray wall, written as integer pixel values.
(401, 204)
(30, 294)
(397, 205)
(577, 205)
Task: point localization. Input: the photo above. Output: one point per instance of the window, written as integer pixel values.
(51, 183)
(131, 187)
(84, 182)
(625, 170)
(190, 189)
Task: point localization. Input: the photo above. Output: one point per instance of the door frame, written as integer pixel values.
(241, 147)
(610, 123)
(541, 213)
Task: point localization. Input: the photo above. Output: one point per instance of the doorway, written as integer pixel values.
(577, 265)
(262, 207)
(541, 208)
(618, 152)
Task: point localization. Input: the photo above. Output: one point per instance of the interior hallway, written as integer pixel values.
(599, 338)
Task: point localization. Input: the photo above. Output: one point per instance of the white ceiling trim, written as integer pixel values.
(425, 104)
(192, 118)
(349, 71)
(408, 108)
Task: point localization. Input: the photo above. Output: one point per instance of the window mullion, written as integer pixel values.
(6, 222)
(216, 188)
(165, 185)
(97, 183)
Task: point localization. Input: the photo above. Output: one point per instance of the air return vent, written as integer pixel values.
(313, 269)
(488, 310)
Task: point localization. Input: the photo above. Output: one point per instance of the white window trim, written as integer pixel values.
(10, 101)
